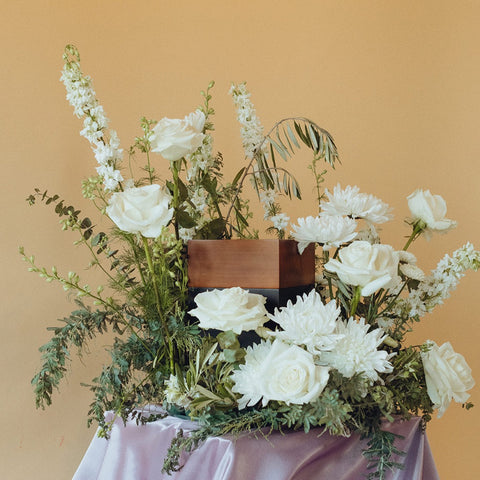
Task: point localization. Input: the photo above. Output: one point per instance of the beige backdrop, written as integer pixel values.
(396, 82)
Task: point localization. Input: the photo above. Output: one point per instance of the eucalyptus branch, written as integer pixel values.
(72, 283)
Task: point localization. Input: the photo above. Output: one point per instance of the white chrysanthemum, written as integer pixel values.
(357, 352)
(352, 203)
(278, 371)
(326, 230)
(308, 322)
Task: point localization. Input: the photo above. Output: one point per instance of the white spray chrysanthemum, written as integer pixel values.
(308, 322)
(357, 351)
(351, 202)
(326, 230)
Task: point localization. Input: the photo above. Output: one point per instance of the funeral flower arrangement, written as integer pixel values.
(336, 358)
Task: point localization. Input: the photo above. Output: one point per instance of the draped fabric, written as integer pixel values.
(136, 452)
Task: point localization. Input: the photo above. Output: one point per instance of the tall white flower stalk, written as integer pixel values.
(437, 287)
(253, 138)
(250, 127)
(81, 95)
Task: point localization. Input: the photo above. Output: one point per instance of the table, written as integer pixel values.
(136, 452)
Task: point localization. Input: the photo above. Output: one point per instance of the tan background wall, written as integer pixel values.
(396, 82)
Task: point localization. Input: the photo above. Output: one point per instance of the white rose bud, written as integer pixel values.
(447, 375)
(175, 138)
(141, 210)
(230, 309)
(368, 266)
(430, 209)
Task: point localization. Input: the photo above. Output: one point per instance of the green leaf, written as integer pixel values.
(210, 185)
(279, 149)
(86, 223)
(292, 136)
(97, 239)
(228, 339)
(184, 219)
(233, 356)
(313, 137)
(182, 191)
(238, 176)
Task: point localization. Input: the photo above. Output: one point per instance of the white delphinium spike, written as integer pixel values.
(81, 96)
(201, 160)
(251, 128)
(437, 287)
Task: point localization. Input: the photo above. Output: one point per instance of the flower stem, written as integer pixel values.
(175, 171)
(355, 300)
(166, 333)
(418, 228)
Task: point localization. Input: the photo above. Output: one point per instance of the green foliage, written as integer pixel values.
(82, 325)
(379, 454)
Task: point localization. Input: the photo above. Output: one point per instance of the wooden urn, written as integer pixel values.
(272, 268)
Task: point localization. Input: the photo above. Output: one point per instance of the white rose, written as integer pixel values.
(141, 210)
(281, 372)
(368, 266)
(230, 309)
(175, 138)
(447, 375)
(430, 209)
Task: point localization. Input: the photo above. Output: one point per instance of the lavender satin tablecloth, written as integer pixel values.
(136, 453)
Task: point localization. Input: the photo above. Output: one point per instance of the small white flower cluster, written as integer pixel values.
(251, 128)
(201, 160)
(271, 210)
(174, 394)
(81, 96)
(268, 198)
(437, 287)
